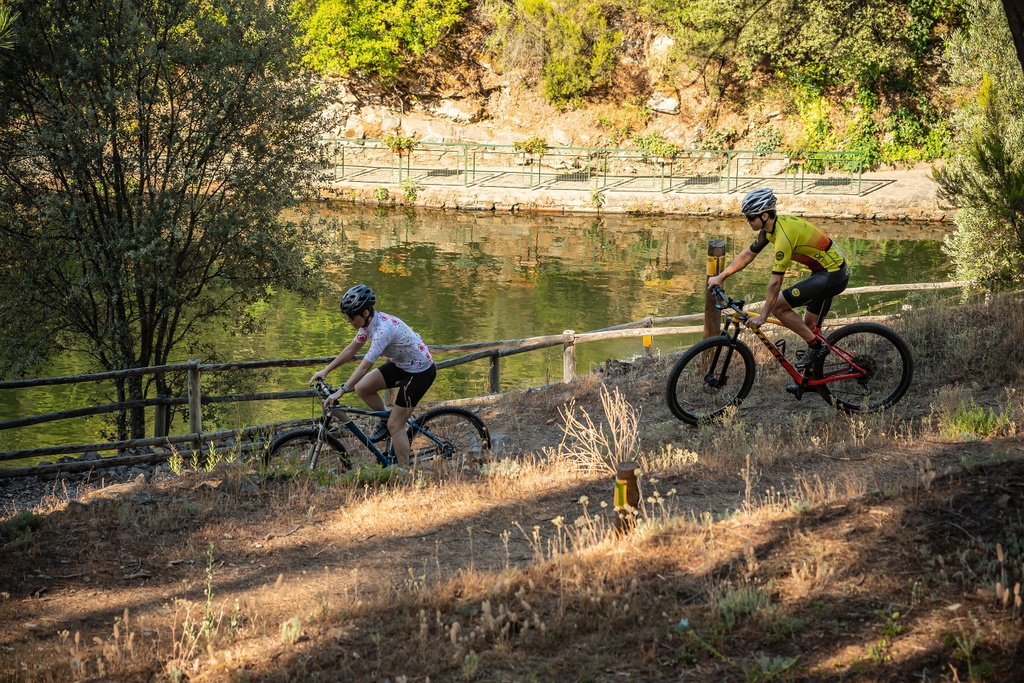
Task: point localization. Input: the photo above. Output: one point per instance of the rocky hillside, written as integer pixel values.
(464, 90)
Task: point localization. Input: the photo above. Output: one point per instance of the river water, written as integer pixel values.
(459, 277)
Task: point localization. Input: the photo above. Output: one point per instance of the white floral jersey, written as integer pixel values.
(393, 339)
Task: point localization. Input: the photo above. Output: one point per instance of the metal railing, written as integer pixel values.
(602, 169)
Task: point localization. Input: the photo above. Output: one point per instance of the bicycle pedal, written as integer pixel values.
(795, 389)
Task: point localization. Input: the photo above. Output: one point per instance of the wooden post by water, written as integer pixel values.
(160, 417)
(716, 262)
(195, 403)
(495, 373)
(627, 496)
(569, 356)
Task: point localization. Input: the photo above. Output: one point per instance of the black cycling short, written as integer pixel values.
(413, 384)
(817, 291)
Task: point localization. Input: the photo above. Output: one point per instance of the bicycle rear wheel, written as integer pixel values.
(462, 435)
(881, 353)
(712, 375)
(301, 449)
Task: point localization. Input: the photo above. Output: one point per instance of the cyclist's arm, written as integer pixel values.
(772, 296)
(364, 367)
(742, 260)
(347, 354)
(770, 299)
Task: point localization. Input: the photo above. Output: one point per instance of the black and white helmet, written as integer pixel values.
(758, 201)
(357, 300)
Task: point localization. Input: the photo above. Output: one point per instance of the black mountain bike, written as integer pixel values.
(869, 367)
(450, 433)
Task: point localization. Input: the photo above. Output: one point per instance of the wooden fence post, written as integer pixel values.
(195, 404)
(160, 417)
(716, 261)
(495, 374)
(569, 356)
(627, 496)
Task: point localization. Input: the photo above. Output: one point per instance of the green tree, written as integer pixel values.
(7, 18)
(148, 149)
(984, 177)
(572, 45)
(373, 37)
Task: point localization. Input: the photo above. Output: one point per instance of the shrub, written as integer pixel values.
(375, 36)
(398, 143)
(571, 44)
(531, 145)
(656, 145)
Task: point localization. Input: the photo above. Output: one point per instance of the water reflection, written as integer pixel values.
(464, 277)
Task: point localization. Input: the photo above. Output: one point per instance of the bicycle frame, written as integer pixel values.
(736, 317)
(343, 414)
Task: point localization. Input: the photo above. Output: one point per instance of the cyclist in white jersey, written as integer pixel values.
(410, 366)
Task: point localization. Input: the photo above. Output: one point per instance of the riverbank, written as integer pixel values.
(896, 195)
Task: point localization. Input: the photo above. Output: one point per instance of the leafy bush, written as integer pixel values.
(398, 143)
(375, 36)
(766, 139)
(656, 146)
(571, 45)
(531, 145)
(985, 175)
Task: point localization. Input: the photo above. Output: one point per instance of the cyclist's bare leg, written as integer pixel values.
(811, 320)
(399, 435)
(369, 388)
(791, 319)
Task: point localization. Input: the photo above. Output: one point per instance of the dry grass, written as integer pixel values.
(778, 545)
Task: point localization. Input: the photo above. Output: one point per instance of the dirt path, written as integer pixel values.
(154, 550)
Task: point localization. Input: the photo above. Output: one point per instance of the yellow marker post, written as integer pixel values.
(716, 263)
(627, 496)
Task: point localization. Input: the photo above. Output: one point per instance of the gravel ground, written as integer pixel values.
(36, 494)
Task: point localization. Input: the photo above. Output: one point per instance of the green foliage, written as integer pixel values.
(531, 145)
(7, 19)
(764, 668)
(147, 154)
(814, 45)
(739, 602)
(291, 631)
(381, 194)
(20, 526)
(372, 475)
(656, 146)
(985, 175)
(375, 36)
(398, 143)
(571, 45)
(974, 421)
(410, 190)
(766, 139)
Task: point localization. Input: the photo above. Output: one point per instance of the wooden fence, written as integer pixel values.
(493, 351)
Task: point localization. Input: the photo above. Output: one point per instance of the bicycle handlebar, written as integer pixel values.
(725, 302)
(324, 390)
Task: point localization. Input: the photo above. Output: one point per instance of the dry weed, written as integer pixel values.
(590, 446)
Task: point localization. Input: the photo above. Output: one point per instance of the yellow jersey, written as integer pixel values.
(797, 240)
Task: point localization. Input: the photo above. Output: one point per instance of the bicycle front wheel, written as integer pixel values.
(302, 449)
(877, 350)
(712, 375)
(457, 434)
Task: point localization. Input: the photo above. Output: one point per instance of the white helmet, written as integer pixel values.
(758, 201)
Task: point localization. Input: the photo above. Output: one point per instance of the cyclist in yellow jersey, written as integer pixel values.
(792, 239)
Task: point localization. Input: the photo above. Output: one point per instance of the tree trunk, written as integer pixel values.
(122, 418)
(137, 416)
(1015, 18)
